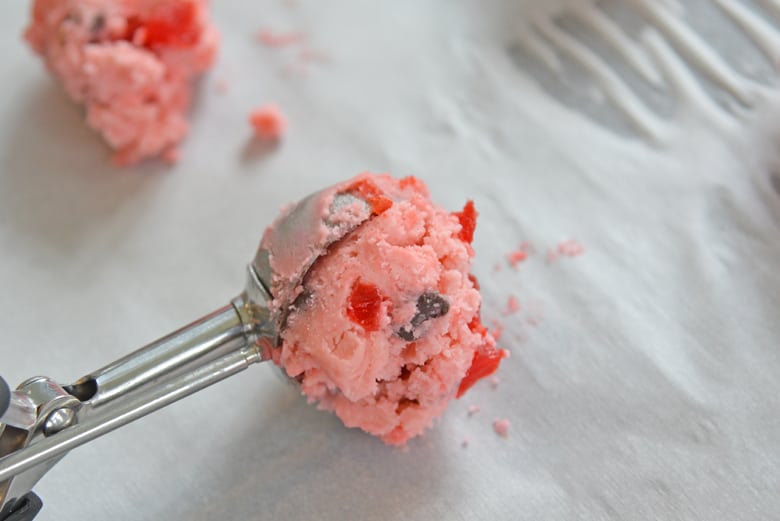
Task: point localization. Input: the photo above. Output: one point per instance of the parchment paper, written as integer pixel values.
(643, 382)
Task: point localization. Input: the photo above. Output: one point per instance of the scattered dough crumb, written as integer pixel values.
(501, 426)
(278, 40)
(221, 86)
(570, 248)
(268, 122)
(473, 409)
(521, 254)
(516, 257)
(498, 329)
(512, 305)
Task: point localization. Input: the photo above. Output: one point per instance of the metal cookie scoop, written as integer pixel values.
(42, 420)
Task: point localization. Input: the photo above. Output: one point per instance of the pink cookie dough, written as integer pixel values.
(501, 427)
(268, 122)
(130, 63)
(386, 328)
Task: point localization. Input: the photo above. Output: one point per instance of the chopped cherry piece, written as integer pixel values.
(173, 23)
(483, 364)
(468, 222)
(364, 305)
(372, 195)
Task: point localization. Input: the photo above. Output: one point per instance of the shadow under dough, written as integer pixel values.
(774, 181)
(256, 149)
(56, 179)
(292, 451)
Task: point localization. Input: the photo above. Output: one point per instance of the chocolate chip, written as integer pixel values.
(406, 334)
(405, 403)
(98, 23)
(429, 305)
(74, 17)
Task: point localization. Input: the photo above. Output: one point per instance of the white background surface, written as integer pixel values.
(649, 389)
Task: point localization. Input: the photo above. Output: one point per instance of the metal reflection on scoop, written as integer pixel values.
(301, 236)
(43, 419)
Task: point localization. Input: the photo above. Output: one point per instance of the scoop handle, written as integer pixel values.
(5, 396)
(137, 406)
(25, 509)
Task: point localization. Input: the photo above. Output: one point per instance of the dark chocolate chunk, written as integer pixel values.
(429, 305)
(98, 23)
(406, 334)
